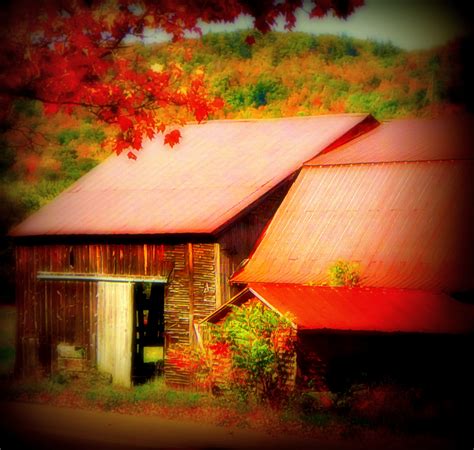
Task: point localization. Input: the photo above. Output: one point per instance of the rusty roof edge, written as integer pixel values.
(358, 137)
(361, 129)
(127, 238)
(254, 291)
(275, 119)
(373, 163)
(221, 308)
(254, 284)
(340, 331)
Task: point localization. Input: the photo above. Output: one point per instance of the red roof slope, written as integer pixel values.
(409, 225)
(218, 170)
(408, 140)
(358, 309)
(368, 309)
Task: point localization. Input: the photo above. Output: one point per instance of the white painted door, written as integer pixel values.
(114, 331)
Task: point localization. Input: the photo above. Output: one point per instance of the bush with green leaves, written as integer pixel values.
(344, 273)
(262, 348)
(252, 353)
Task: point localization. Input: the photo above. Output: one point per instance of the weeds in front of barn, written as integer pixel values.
(361, 409)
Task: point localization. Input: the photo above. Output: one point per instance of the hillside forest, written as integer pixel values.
(257, 76)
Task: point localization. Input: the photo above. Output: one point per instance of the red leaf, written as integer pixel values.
(125, 123)
(172, 138)
(121, 145)
(137, 141)
(132, 155)
(50, 108)
(250, 40)
(201, 112)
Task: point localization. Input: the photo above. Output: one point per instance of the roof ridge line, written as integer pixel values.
(372, 163)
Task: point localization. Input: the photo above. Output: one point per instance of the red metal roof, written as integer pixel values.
(219, 169)
(408, 225)
(368, 309)
(408, 140)
(359, 309)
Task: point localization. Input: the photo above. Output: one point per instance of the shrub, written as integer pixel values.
(262, 345)
(344, 273)
(251, 353)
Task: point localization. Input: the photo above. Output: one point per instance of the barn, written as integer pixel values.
(396, 203)
(135, 253)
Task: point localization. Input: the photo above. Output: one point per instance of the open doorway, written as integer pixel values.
(148, 344)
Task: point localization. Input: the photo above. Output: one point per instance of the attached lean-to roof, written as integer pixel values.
(409, 224)
(359, 309)
(219, 169)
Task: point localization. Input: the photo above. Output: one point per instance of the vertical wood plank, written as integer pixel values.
(190, 267)
(217, 274)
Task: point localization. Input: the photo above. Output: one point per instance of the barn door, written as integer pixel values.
(114, 330)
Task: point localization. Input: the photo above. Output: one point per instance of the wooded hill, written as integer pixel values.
(258, 76)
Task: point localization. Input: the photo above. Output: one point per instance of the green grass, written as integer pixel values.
(154, 391)
(152, 354)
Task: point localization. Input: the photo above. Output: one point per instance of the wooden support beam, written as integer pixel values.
(66, 276)
(190, 264)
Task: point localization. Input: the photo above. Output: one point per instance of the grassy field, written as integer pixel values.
(7, 339)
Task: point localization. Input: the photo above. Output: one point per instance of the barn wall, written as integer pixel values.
(189, 297)
(239, 239)
(50, 313)
(336, 361)
(54, 312)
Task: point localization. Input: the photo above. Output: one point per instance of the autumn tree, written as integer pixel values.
(68, 55)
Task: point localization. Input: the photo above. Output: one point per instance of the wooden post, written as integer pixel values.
(190, 264)
(217, 271)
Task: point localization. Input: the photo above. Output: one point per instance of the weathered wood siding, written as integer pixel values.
(54, 312)
(189, 296)
(239, 239)
(50, 313)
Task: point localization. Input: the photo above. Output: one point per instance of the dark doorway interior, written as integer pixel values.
(148, 346)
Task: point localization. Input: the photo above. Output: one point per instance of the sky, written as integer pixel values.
(409, 24)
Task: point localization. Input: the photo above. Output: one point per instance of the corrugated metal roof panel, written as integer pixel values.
(408, 140)
(219, 169)
(408, 225)
(368, 309)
